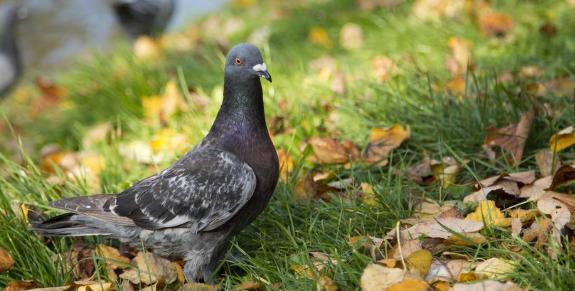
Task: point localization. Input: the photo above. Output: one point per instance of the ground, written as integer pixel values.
(450, 74)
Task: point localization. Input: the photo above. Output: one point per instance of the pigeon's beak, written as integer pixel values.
(262, 71)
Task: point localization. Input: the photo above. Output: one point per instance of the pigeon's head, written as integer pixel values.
(245, 61)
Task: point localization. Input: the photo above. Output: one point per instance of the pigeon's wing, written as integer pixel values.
(203, 190)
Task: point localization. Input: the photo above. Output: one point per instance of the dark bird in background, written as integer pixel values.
(192, 209)
(144, 17)
(10, 63)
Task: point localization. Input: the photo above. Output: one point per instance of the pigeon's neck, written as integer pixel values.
(242, 111)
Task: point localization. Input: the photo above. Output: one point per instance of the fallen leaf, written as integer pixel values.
(384, 68)
(460, 55)
(466, 239)
(563, 139)
(421, 173)
(535, 190)
(488, 213)
(145, 48)
(490, 285)
(325, 284)
(441, 286)
(530, 72)
(319, 36)
(564, 175)
(435, 10)
(512, 137)
(419, 262)
(20, 285)
(6, 261)
(382, 141)
(302, 271)
(331, 151)
(376, 277)
(445, 171)
(368, 196)
(409, 284)
(441, 228)
(305, 189)
(249, 285)
(547, 162)
(321, 261)
(548, 29)
(150, 269)
(351, 36)
(495, 268)
(405, 248)
(456, 86)
(496, 24)
(112, 256)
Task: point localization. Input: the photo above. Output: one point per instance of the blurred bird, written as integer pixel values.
(144, 17)
(10, 63)
(192, 209)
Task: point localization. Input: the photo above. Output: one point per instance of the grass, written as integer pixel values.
(109, 87)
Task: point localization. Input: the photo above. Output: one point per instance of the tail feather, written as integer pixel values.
(68, 224)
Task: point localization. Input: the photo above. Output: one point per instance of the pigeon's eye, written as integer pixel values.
(238, 61)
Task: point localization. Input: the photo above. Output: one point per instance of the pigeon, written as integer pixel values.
(192, 209)
(10, 63)
(144, 17)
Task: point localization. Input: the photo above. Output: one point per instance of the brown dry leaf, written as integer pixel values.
(331, 151)
(490, 285)
(376, 277)
(530, 72)
(488, 213)
(516, 226)
(456, 86)
(384, 68)
(351, 36)
(562, 86)
(112, 257)
(548, 29)
(439, 228)
(151, 269)
(495, 268)
(535, 190)
(504, 184)
(421, 173)
(419, 262)
(249, 285)
(562, 140)
(409, 284)
(321, 261)
(547, 162)
(512, 137)
(382, 141)
(460, 55)
(319, 36)
(95, 134)
(305, 188)
(369, 5)
(286, 164)
(496, 24)
(20, 285)
(564, 175)
(326, 284)
(92, 286)
(199, 287)
(145, 48)
(441, 286)
(6, 261)
(407, 248)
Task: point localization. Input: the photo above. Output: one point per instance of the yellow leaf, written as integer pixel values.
(368, 196)
(318, 35)
(445, 171)
(286, 164)
(562, 140)
(325, 284)
(494, 268)
(331, 151)
(145, 48)
(466, 239)
(441, 286)
(376, 277)
(6, 261)
(489, 214)
(112, 256)
(409, 285)
(382, 141)
(302, 271)
(151, 107)
(419, 261)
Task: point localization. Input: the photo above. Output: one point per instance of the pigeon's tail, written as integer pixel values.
(68, 224)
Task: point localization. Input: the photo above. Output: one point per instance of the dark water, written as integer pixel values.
(56, 31)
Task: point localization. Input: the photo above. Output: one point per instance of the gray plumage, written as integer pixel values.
(144, 17)
(10, 63)
(191, 210)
